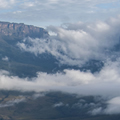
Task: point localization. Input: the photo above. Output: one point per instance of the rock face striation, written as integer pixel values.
(21, 30)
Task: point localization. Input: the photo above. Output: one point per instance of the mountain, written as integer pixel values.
(21, 63)
(16, 105)
(21, 30)
(26, 64)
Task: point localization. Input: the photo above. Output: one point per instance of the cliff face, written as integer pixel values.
(21, 30)
(21, 63)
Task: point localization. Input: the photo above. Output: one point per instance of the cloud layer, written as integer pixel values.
(77, 43)
(104, 83)
(113, 107)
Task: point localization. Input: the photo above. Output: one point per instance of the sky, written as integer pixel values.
(56, 12)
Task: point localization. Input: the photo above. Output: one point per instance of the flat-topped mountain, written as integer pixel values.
(21, 30)
(19, 62)
(22, 63)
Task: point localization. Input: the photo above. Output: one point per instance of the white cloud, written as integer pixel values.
(17, 12)
(53, 1)
(96, 111)
(77, 43)
(6, 3)
(112, 107)
(37, 95)
(58, 104)
(104, 83)
(5, 58)
(44, 81)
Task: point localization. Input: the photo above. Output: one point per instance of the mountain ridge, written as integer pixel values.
(21, 30)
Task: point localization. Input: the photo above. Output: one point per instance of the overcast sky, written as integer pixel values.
(55, 12)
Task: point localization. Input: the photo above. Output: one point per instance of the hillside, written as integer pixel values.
(16, 105)
(20, 30)
(24, 63)
(18, 62)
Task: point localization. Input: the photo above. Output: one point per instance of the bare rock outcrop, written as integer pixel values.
(21, 30)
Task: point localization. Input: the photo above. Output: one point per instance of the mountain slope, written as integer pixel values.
(23, 63)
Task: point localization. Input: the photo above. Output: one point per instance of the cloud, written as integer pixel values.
(44, 81)
(6, 3)
(112, 107)
(103, 83)
(12, 102)
(43, 13)
(75, 44)
(96, 111)
(58, 104)
(37, 95)
(5, 58)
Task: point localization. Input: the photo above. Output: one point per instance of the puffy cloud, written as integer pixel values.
(5, 58)
(44, 81)
(6, 3)
(104, 83)
(75, 44)
(112, 107)
(58, 104)
(96, 111)
(37, 95)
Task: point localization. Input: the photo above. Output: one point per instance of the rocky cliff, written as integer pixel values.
(21, 30)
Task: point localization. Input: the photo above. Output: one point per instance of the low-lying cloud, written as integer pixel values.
(104, 83)
(113, 107)
(75, 44)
